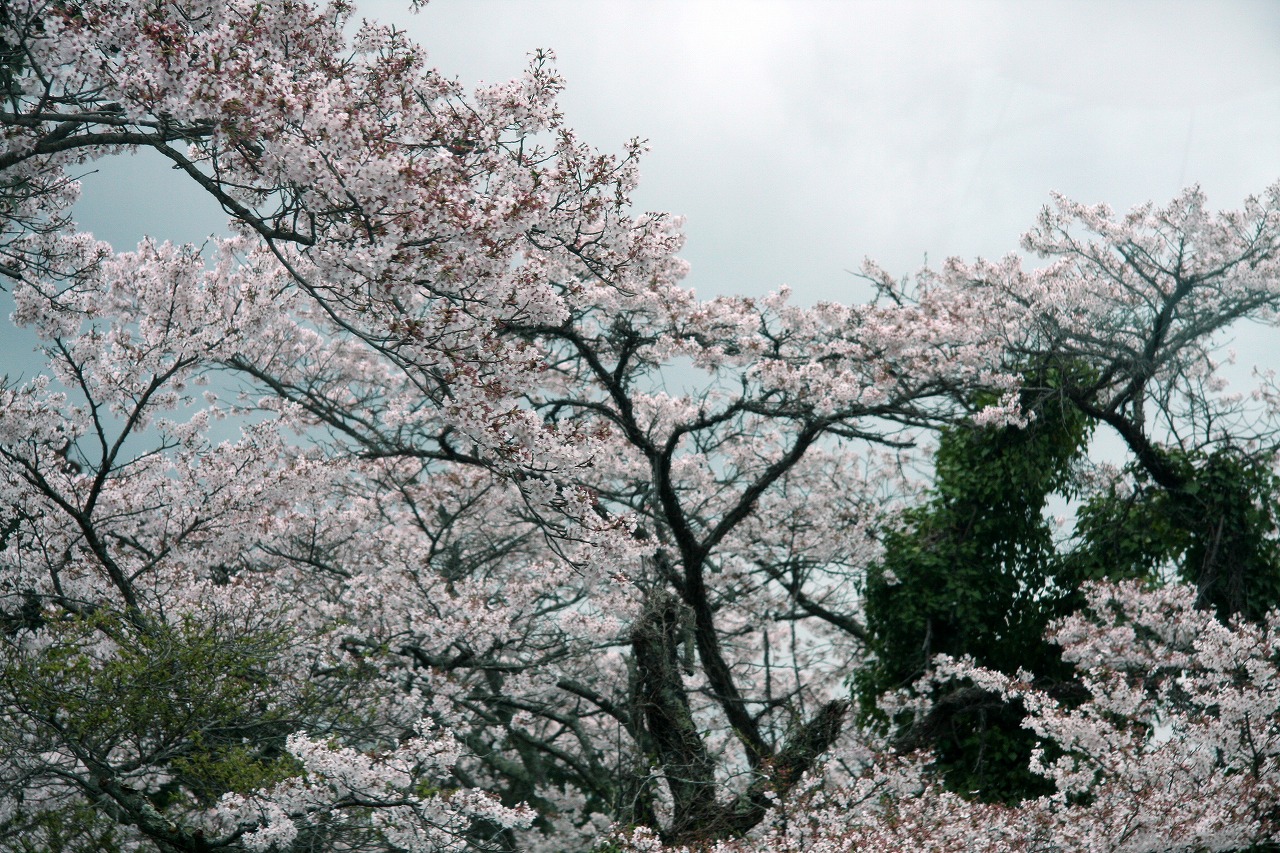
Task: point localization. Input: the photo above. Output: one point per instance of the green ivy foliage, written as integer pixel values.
(1216, 528)
(974, 571)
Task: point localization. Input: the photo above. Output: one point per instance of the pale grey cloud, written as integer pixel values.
(798, 137)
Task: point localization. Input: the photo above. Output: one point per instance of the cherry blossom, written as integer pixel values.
(431, 510)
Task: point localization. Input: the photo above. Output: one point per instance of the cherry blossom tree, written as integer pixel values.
(1116, 330)
(377, 525)
(1172, 748)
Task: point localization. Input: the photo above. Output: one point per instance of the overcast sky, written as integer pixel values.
(800, 137)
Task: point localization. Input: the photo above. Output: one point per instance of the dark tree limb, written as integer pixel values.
(688, 767)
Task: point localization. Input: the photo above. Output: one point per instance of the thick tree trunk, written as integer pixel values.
(688, 767)
(689, 770)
